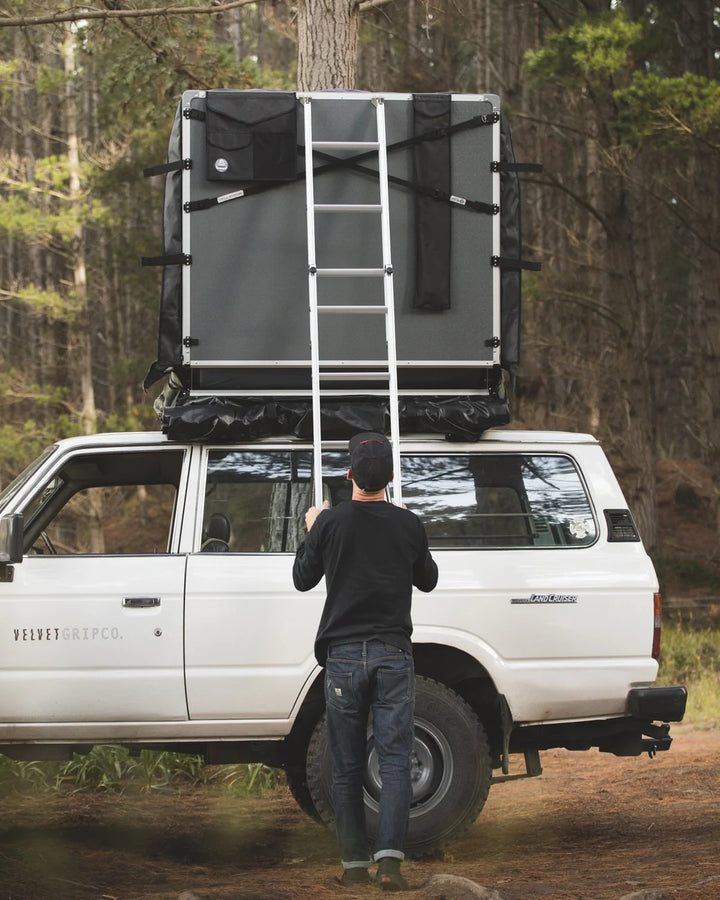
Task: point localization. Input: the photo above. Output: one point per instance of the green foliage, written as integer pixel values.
(18, 447)
(22, 441)
(621, 62)
(670, 110)
(18, 219)
(690, 655)
(690, 649)
(592, 50)
(162, 770)
(50, 303)
(39, 211)
(127, 82)
(251, 780)
(49, 80)
(9, 72)
(104, 768)
(110, 768)
(20, 777)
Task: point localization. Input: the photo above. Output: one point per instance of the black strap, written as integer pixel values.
(333, 164)
(506, 166)
(164, 168)
(207, 202)
(176, 166)
(505, 262)
(174, 259)
(490, 209)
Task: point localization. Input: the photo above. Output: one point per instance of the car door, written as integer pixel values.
(92, 622)
(249, 633)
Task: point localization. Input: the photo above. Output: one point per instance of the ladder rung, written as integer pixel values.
(346, 145)
(354, 376)
(348, 207)
(336, 378)
(350, 273)
(371, 309)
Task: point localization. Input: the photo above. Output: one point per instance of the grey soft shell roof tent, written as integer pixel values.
(234, 323)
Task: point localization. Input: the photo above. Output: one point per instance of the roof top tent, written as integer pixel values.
(235, 317)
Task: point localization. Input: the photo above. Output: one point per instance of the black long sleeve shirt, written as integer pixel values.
(371, 553)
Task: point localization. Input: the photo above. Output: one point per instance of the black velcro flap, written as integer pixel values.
(251, 135)
(431, 165)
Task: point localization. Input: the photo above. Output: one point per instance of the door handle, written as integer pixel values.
(141, 602)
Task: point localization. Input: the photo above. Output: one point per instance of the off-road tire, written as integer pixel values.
(296, 777)
(451, 770)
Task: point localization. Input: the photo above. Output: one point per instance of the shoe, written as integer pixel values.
(356, 875)
(388, 875)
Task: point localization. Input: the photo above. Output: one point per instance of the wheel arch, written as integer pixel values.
(451, 666)
(464, 674)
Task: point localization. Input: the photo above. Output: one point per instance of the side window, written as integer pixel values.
(255, 501)
(115, 502)
(499, 500)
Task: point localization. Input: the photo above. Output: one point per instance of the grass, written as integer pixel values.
(109, 768)
(690, 655)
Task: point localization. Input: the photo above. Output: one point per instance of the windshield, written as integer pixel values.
(12, 489)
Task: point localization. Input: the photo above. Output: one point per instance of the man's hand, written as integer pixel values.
(313, 513)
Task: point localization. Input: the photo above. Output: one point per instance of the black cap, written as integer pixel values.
(371, 460)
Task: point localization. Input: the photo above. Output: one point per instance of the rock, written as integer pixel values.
(453, 887)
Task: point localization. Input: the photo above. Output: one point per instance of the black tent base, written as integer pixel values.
(222, 420)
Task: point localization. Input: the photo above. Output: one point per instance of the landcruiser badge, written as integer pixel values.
(545, 598)
(221, 165)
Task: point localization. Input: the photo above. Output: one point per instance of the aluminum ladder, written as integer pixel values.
(320, 371)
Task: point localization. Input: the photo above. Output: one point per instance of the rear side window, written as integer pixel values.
(255, 502)
(499, 500)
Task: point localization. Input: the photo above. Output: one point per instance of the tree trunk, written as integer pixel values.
(327, 44)
(83, 346)
(79, 334)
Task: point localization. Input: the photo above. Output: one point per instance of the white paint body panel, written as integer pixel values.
(249, 636)
(234, 657)
(71, 652)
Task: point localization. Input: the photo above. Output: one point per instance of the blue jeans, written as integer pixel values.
(361, 676)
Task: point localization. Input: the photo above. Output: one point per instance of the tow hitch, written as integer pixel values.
(658, 738)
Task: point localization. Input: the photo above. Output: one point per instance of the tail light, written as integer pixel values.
(657, 616)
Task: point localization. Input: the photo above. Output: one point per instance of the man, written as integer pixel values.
(371, 553)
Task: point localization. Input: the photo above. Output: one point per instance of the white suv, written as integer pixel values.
(147, 600)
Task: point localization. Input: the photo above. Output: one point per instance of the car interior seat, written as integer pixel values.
(216, 536)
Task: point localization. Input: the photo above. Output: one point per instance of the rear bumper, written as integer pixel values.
(629, 735)
(658, 704)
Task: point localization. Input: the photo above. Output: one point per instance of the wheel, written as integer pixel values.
(451, 770)
(296, 776)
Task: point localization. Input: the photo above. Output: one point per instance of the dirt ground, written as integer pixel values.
(592, 826)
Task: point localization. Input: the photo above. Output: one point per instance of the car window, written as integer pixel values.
(499, 500)
(255, 501)
(17, 484)
(105, 502)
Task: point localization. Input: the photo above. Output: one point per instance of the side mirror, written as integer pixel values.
(11, 538)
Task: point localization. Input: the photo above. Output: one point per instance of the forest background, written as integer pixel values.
(618, 99)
